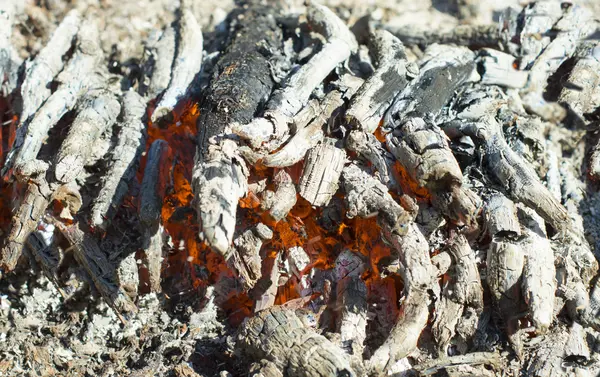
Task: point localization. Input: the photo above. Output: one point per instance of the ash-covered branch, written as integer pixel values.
(8, 62)
(131, 140)
(77, 77)
(158, 60)
(186, 65)
(97, 112)
(461, 35)
(367, 147)
(40, 72)
(244, 256)
(295, 93)
(374, 97)
(321, 173)
(281, 336)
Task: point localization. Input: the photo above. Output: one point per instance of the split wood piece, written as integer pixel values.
(159, 56)
(505, 263)
(579, 89)
(366, 197)
(97, 112)
(419, 277)
(41, 246)
(537, 20)
(505, 165)
(280, 202)
(367, 147)
(220, 181)
(374, 97)
(577, 344)
(24, 222)
(321, 172)
(576, 23)
(243, 72)
(444, 69)
(77, 77)
(539, 273)
(123, 162)
(429, 368)
(186, 65)
(461, 35)
(280, 336)
(267, 299)
(152, 193)
(351, 302)
(423, 150)
(295, 93)
(244, 256)
(498, 69)
(94, 261)
(40, 72)
(464, 289)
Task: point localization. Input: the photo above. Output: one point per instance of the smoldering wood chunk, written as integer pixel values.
(351, 293)
(539, 273)
(69, 196)
(159, 54)
(501, 216)
(547, 358)
(186, 65)
(287, 101)
(243, 78)
(280, 336)
(461, 35)
(154, 183)
(442, 262)
(97, 112)
(40, 72)
(423, 150)
(538, 18)
(445, 68)
(123, 161)
(219, 180)
(321, 173)
(265, 368)
(24, 222)
(152, 244)
(369, 148)
(128, 277)
(244, 256)
(373, 98)
(267, 299)
(77, 77)
(366, 197)
(579, 88)
(282, 199)
(419, 276)
(498, 69)
(103, 274)
(504, 164)
(41, 246)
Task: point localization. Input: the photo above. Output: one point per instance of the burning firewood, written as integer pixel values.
(186, 65)
(286, 102)
(284, 337)
(244, 256)
(282, 200)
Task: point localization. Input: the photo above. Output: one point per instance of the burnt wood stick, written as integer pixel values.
(537, 20)
(579, 89)
(539, 273)
(504, 164)
(547, 358)
(498, 69)
(8, 14)
(367, 147)
(461, 35)
(366, 197)
(40, 71)
(267, 299)
(505, 263)
(576, 23)
(77, 77)
(236, 94)
(280, 202)
(94, 261)
(244, 255)
(373, 98)
(419, 276)
(158, 60)
(97, 113)
(286, 102)
(24, 222)
(444, 69)
(123, 161)
(475, 358)
(186, 65)
(152, 195)
(351, 293)
(321, 172)
(280, 336)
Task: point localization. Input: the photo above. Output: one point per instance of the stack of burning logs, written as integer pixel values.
(452, 143)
